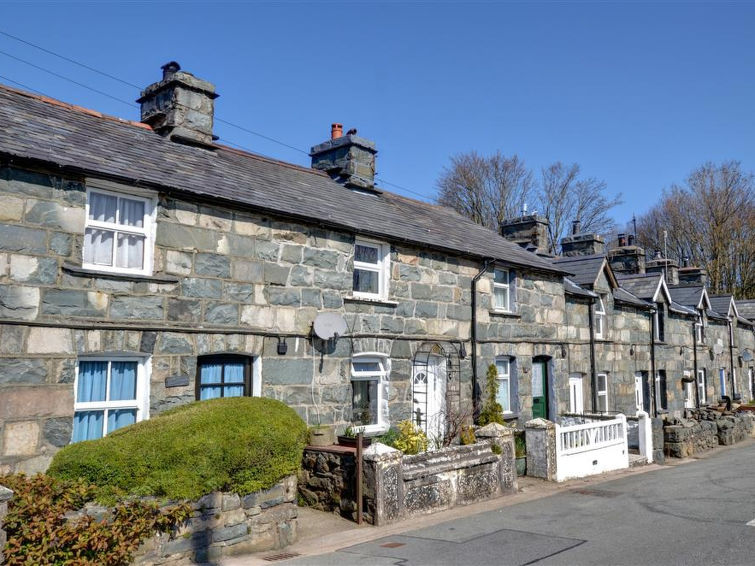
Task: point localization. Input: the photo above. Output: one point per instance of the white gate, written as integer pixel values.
(591, 448)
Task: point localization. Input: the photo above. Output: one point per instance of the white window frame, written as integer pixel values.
(506, 286)
(722, 380)
(702, 386)
(602, 392)
(147, 230)
(382, 268)
(750, 371)
(689, 391)
(600, 318)
(141, 403)
(381, 377)
(699, 331)
(658, 403)
(639, 391)
(576, 394)
(504, 377)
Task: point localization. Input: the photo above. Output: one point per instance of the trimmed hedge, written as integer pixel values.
(240, 444)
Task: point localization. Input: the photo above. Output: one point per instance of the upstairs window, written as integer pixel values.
(503, 283)
(371, 270)
(503, 367)
(119, 233)
(110, 393)
(660, 333)
(369, 379)
(700, 331)
(224, 375)
(600, 318)
(602, 393)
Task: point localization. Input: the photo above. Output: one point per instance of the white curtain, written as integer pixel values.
(131, 212)
(98, 246)
(102, 207)
(130, 252)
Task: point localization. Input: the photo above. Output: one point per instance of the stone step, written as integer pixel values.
(637, 460)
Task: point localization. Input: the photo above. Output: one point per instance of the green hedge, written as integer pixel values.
(241, 444)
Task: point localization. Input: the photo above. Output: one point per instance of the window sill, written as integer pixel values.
(510, 416)
(82, 272)
(505, 314)
(367, 300)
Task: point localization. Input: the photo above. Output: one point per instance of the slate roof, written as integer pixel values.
(642, 286)
(720, 304)
(688, 296)
(572, 288)
(584, 269)
(624, 296)
(746, 309)
(81, 140)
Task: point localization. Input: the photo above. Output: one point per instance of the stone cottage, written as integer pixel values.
(143, 265)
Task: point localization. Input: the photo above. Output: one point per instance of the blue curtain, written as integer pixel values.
(87, 425)
(210, 373)
(123, 381)
(117, 418)
(234, 374)
(92, 381)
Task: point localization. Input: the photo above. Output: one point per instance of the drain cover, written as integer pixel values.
(281, 556)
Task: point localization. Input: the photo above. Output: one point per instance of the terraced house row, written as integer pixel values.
(143, 265)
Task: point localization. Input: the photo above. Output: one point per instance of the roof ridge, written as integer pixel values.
(74, 107)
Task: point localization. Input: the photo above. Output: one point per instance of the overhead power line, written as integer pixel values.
(131, 104)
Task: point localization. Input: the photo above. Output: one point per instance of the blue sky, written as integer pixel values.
(638, 93)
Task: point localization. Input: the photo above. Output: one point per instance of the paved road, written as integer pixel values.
(694, 513)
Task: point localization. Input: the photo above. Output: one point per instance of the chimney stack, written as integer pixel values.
(349, 159)
(582, 244)
(626, 257)
(669, 267)
(529, 231)
(180, 107)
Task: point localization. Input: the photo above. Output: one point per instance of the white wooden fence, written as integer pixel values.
(591, 448)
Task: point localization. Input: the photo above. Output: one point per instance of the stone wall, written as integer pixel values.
(327, 479)
(225, 524)
(399, 487)
(5, 496)
(705, 430)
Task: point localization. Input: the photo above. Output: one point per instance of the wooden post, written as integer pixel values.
(360, 438)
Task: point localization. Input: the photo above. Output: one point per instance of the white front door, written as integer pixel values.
(639, 397)
(430, 397)
(576, 397)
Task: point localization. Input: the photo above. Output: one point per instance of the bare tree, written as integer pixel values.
(711, 220)
(565, 197)
(485, 189)
(491, 189)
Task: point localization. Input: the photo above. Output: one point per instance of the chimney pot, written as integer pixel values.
(685, 261)
(630, 240)
(336, 131)
(657, 254)
(170, 69)
(622, 240)
(575, 227)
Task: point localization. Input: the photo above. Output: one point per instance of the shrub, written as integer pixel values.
(520, 445)
(38, 532)
(411, 439)
(240, 444)
(491, 412)
(388, 438)
(467, 435)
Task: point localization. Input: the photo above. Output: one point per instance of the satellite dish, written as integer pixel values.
(329, 325)
(717, 348)
(747, 356)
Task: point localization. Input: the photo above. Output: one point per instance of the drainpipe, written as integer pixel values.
(473, 338)
(654, 405)
(593, 372)
(694, 362)
(731, 360)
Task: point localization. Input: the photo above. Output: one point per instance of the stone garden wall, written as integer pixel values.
(399, 487)
(327, 479)
(703, 431)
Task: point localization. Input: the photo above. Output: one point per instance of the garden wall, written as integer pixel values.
(327, 479)
(705, 430)
(399, 487)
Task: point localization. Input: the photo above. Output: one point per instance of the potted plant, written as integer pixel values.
(349, 437)
(321, 435)
(520, 453)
